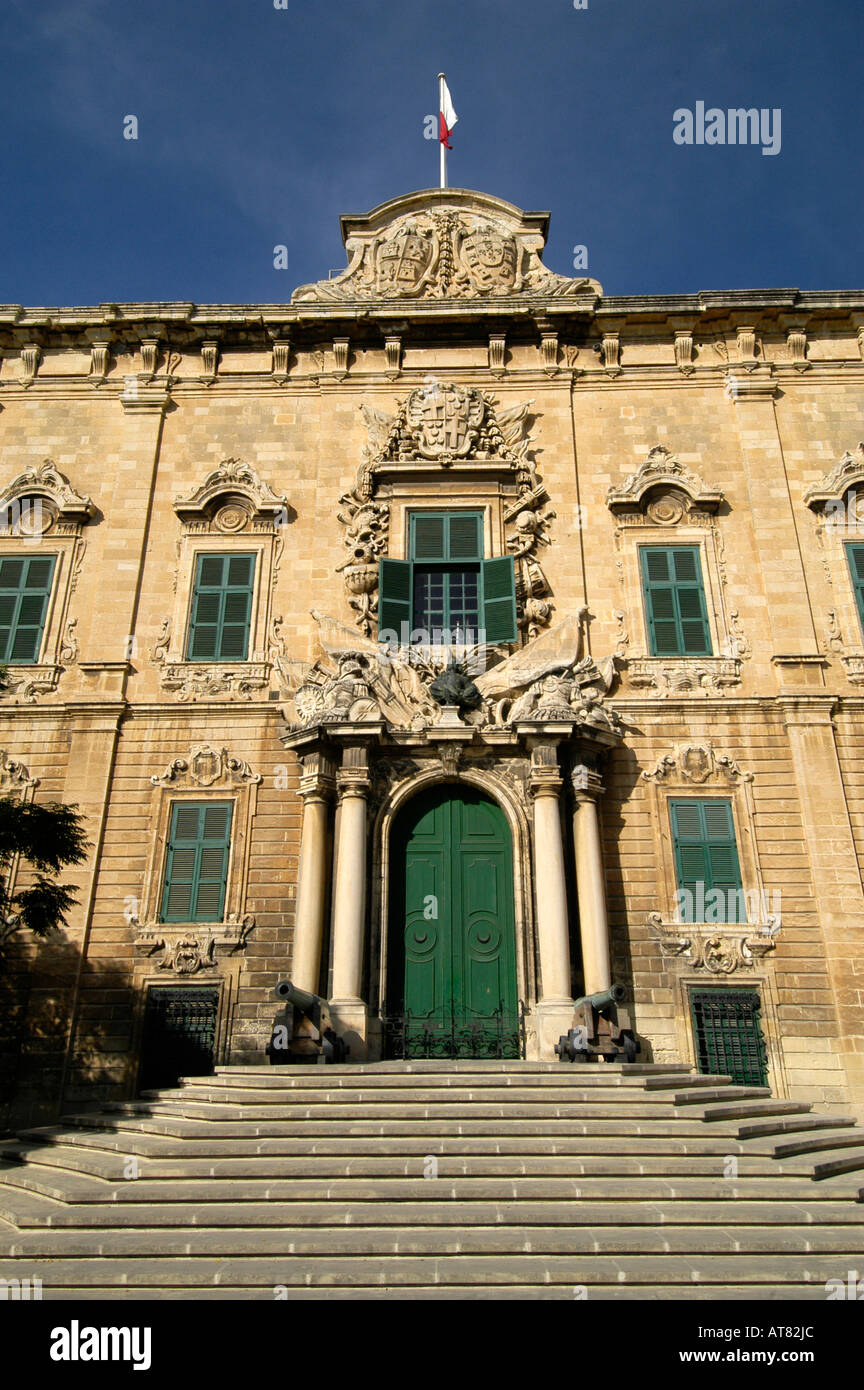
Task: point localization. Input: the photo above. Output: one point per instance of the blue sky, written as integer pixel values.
(258, 126)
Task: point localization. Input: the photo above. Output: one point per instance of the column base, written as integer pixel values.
(552, 1018)
(350, 1019)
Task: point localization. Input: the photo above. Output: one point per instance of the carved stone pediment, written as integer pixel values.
(665, 488)
(717, 951)
(205, 766)
(848, 473)
(42, 499)
(190, 948)
(444, 244)
(696, 764)
(230, 497)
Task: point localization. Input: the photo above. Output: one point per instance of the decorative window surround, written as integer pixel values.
(42, 509)
(717, 947)
(666, 504)
(233, 510)
(485, 452)
(837, 502)
(189, 947)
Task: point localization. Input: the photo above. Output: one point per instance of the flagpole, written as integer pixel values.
(443, 147)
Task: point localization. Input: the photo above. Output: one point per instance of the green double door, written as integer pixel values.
(452, 961)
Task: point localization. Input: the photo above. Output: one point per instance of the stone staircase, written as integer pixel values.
(438, 1180)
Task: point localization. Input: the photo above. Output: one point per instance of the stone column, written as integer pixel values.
(316, 785)
(349, 902)
(555, 1007)
(590, 881)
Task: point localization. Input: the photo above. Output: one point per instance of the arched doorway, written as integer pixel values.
(452, 955)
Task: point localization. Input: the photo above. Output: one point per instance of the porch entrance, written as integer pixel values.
(452, 958)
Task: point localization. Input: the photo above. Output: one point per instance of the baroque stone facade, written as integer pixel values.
(445, 370)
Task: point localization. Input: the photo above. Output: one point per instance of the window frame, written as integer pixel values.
(644, 548)
(202, 805)
(226, 556)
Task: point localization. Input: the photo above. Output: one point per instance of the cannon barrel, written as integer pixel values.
(300, 998)
(613, 995)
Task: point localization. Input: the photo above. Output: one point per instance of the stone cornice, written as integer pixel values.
(167, 317)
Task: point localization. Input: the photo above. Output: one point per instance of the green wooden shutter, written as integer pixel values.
(499, 599)
(221, 608)
(196, 868)
(25, 588)
(394, 601)
(442, 536)
(706, 857)
(855, 554)
(675, 601)
(465, 536)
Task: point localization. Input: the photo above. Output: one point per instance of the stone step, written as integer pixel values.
(441, 1112)
(586, 1270)
(182, 1126)
(845, 1163)
(456, 1065)
(128, 1142)
(793, 1124)
(446, 1099)
(744, 1109)
(359, 1078)
(825, 1139)
(704, 1095)
(113, 1167)
(40, 1212)
(80, 1187)
(436, 1240)
(450, 1293)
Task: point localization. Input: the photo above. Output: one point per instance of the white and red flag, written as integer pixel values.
(448, 117)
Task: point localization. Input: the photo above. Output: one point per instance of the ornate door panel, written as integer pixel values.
(452, 928)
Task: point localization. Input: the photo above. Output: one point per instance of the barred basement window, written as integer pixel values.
(25, 587)
(675, 601)
(196, 868)
(447, 592)
(179, 1034)
(728, 1034)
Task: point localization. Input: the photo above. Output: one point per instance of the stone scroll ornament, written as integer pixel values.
(444, 424)
(443, 253)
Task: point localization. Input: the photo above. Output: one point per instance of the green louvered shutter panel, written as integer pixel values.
(499, 600)
(856, 567)
(221, 608)
(675, 601)
(25, 587)
(196, 868)
(429, 536)
(465, 536)
(706, 854)
(394, 601)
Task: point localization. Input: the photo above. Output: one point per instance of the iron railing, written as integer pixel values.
(457, 1033)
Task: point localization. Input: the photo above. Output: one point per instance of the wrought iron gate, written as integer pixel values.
(499, 1034)
(729, 1041)
(179, 1034)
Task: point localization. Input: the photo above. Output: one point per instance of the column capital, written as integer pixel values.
(586, 783)
(317, 776)
(351, 782)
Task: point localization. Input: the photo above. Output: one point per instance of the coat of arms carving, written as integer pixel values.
(445, 420)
